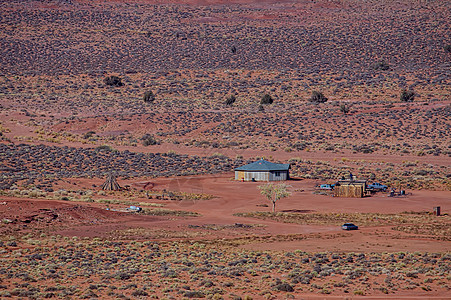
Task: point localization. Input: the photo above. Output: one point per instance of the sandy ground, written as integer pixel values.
(59, 110)
(232, 197)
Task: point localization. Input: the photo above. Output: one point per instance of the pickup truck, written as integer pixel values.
(377, 187)
(327, 186)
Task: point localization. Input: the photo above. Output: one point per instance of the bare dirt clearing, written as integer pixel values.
(163, 128)
(218, 252)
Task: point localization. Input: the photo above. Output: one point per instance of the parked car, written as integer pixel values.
(134, 208)
(349, 226)
(377, 187)
(327, 186)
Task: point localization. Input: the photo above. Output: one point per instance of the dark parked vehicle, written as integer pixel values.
(349, 226)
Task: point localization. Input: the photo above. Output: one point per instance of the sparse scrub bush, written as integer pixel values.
(140, 292)
(301, 145)
(88, 134)
(106, 148)
(407, 96)
(266, 99)
(149, 97)
(149, 140)
(194, 294)
(344, 108)
(317, 97)
(113, 81)
(230, 100)
(381, 65)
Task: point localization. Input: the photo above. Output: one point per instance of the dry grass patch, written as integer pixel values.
(168, 212)
(363, 219)
(81, 268)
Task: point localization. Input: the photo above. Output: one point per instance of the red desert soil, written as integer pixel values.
(230, 197)
(217, 226)
(63, 128)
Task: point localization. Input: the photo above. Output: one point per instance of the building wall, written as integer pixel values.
(239, 175)
(278, 176)
(261, 176)
(349, 191)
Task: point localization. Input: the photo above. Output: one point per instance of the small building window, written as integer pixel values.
(277, 174)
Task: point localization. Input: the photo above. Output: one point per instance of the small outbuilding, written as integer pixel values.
(350, 188)
(263, 170)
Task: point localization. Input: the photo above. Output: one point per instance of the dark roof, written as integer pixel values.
(263, 165)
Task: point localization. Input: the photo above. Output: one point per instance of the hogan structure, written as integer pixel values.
(263, 170)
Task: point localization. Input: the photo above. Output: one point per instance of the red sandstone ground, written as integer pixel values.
(59, 240)
(232, 197)
(217, 224)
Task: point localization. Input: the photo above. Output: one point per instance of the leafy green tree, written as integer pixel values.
(274, 192)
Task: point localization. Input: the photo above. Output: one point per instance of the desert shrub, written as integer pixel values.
(284, 287)
(301, 145)
(104, 148)
(267, 99)
(122, 276)
(407, 96)
(233, 49)
(193, 294)
(140, 292)
(381, 65)
(5, 294)
(88, 134)
(363, 148)
(359, 293)
(230, 100)
(344, 108)
(89, 294)
(317, 97)
(260, 108)
(149, 140)
(149, 97)
(113, 81)
(447, 48)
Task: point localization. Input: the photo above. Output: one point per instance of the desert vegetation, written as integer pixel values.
(206, 270)
(402, 221)
(171, 97)
(42, 167)
(113, 81)
(274, 192)
(149, 97)
(318, 97)
(407, 96)
(27, 162)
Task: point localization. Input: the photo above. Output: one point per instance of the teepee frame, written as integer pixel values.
(111, 184)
